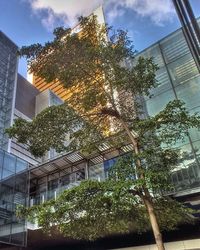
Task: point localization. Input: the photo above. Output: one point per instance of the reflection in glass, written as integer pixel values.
(155, 53)
(186, 174)
(174, 46)
(9, 162)
(163, 82)
(21, 165)
(183, 69)
(13, 191)
(96, 172)
(189, 92)
(157, 103)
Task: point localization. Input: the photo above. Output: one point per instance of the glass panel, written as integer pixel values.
(17, 234)
(8, 65)
(65, 180)
(9, 162)
(80, 175)
(54, 99)
(183, 69)
(153, 52)
(157, 103)
(6, 173)
(194, 134)
(21, 165)
(189, 92)
(52, 184)
(21, 183)
(174, 46)
(109, 163)
(13, 191)
(163, 82)
(196, 146)
(1, 159)
(96, 172)
(186, 174)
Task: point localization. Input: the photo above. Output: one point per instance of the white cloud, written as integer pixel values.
(67, 11)
(159, 11)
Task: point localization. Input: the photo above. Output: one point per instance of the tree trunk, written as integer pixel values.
(154, 223)
(146, 197)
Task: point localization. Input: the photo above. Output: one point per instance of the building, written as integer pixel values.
(18, 98)
(56, 87)
(178, 77)
(8, 78)
(13, 170)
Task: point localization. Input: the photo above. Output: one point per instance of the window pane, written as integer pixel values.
(96, 172)
(189, 92)
(194, 134)
(155, 53)
(21, 165)
(157, 103)
(1, 158)
(6, 173)
(174, 46)
(9, 162)
(163, 80)
(186, 174)
(183, 69)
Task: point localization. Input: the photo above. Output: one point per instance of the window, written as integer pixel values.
(183, 69)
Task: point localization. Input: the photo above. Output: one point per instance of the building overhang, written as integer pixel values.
(65, 161)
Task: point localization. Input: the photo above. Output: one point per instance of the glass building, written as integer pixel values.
(13, 170)
(178, 78)
(13, 192)
(8, 76)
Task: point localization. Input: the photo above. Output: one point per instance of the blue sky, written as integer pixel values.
(32, 21)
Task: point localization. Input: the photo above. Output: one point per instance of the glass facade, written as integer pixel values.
(178, 77)
(50, 186)
(8, 68)
(13, 192)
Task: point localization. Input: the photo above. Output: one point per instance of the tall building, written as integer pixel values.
(13, 170)
(178, 78)
(8, 78)
(18, 98)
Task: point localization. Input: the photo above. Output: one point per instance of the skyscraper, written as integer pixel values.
(8, 78)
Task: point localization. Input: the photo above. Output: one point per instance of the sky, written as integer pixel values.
(32, 21)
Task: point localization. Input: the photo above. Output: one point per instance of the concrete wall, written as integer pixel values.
(25, 97)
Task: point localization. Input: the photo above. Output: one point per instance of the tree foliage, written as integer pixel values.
(106, 99)
(87, 64)
(96, 209)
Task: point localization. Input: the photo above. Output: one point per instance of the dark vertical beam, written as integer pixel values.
(193, 20)
(185, 15)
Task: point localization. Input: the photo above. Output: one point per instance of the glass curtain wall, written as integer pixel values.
(178, 77)
(8, 67)
(13, 192)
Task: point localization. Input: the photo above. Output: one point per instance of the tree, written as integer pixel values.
(105, 102)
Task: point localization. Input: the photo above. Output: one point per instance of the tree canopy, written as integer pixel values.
(97, 209)
(106, 99)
